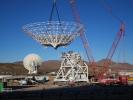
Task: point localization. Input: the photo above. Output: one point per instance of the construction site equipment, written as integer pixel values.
(73, 68)
(83, 37)
(119, 36)
(123, 80)
(1, 87)
(112, 50)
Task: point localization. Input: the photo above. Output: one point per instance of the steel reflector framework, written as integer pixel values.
(54, 33)
(73, 68)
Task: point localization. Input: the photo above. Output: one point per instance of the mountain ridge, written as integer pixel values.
(53, 66)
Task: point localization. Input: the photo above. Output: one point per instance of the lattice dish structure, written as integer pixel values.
(54, 33)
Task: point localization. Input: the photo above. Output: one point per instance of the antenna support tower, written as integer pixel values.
(73, 69)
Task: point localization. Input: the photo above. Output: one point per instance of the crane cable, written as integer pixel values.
(54, 6)
(109, 9)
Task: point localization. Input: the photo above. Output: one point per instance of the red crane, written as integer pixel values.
(83, 37)
(112, 50)
(120, 34)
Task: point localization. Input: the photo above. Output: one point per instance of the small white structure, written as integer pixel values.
(41, 78)
(23, 82)
(72, 69)
(31, 62)
(126, 72)
(5, 76)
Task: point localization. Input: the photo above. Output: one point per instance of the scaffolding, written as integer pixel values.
(73, 69)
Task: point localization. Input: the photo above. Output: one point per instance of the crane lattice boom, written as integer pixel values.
(83, 36)
(112, 50)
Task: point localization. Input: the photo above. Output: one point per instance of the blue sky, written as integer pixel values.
(100, 26)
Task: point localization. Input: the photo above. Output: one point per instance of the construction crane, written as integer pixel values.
(120, 34)
(112, 50)
(83, 37)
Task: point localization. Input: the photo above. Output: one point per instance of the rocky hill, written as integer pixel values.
(53, 65)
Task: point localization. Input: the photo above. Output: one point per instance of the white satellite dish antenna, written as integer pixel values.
(31, 62)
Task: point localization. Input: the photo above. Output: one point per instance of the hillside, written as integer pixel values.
(53, 65)
(12, 68)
